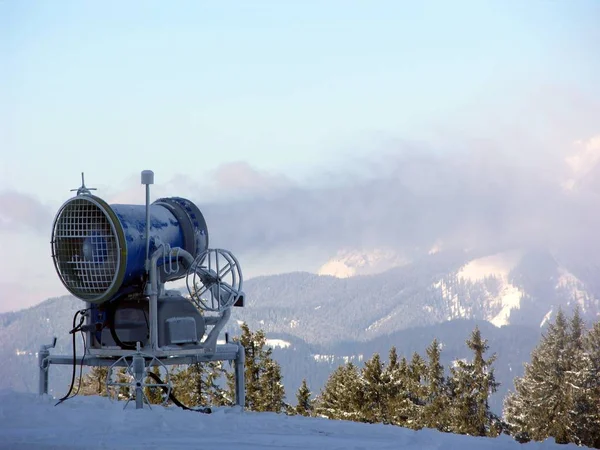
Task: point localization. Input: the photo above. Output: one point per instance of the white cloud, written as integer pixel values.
(416, 201)
(583, 159)
(20, 211)
(28, 275)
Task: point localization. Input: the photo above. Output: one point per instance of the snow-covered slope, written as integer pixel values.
(348, 263)
(575, 289)
(514, 287)
(31, 422)
(508, 296)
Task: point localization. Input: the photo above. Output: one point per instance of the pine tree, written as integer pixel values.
(229, 393)
(402, 405)
(473, 383)
(592, 352)
(263, 380)
(341, 397)
(415, 390)
(123, 392)
(94, 382)
(155, 394)
(579, 386)
(272, 392)
(393, 387)
(198, 384)
(559, 394)
(539, 407)
(373, 390)
(437, 400)
(304, 406)
(253, 345)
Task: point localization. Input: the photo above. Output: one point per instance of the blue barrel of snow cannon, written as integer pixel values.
(99, 250)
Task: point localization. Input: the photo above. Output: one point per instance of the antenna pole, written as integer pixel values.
(147, 179)
(83, 189)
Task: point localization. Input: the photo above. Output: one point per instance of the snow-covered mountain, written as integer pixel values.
(316, 322)
(31, 422)
(491, 287)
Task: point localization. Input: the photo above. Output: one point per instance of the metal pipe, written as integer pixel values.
(211, 340)
(154, 299)
(43, 366)
(154, 290)
(147, 225)
(240, 384)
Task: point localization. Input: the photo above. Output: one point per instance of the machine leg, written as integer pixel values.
(43, 366)
(139, 366)
(240, 385)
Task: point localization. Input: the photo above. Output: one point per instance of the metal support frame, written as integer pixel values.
(209, 350)
(240, 386)
(44, 366)
(234, 353)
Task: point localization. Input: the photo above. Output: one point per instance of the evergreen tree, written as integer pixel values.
(579, 387)
(473, 382)
(304, 406)
(264, 387)
(253, 345)
(592, 386)
(229, 393)
(582, 418)
(437, 400)
(402, 405)
(155, 394)
(341, 397)
(393, 387)
(272, 392)
(94, 382)
(198, 384)
(123, 391)
(415, 390)
(539, 407)
(373, 390)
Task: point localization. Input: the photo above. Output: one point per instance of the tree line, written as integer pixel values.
(416, 393)
(558, 395)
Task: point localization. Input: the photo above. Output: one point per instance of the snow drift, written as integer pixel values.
(28, 421)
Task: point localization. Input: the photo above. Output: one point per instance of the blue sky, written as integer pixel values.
(285, 86)
(288, 88)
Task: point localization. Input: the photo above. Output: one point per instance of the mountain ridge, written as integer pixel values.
(442, 295)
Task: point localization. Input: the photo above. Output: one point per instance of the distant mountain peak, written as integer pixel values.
(347, 263)
(499, 264)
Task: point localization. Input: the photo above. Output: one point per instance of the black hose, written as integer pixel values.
(205, 410)
(112, 309)
(74, 330)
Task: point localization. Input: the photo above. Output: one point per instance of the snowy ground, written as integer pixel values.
(31, 422)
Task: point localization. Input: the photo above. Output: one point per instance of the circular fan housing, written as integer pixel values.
(99, 250)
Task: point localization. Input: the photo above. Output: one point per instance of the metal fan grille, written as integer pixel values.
(85, 249)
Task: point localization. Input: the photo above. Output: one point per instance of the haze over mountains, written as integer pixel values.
(417, 245)
(316, 322)
(407, 198)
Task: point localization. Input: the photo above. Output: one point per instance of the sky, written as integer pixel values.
(253, 108)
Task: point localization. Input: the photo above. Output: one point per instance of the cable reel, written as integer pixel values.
(214, 280)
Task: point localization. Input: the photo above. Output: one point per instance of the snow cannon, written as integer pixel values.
(100, 250)
(118, 258)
